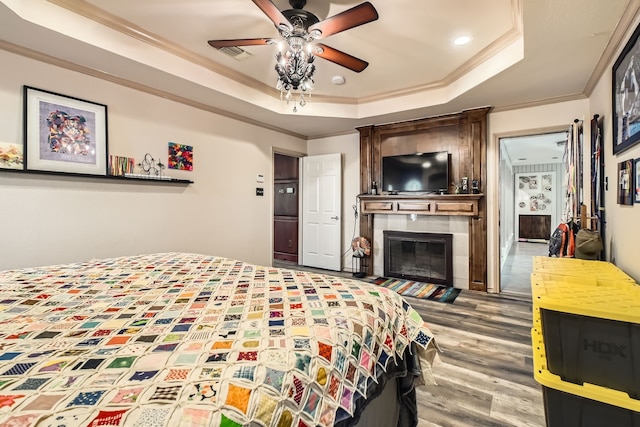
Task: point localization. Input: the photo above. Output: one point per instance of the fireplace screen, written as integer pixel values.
(425, 257)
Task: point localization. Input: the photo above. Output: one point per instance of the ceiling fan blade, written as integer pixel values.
(272, 12)
(340, 58)
(218, 44)
(350, 18)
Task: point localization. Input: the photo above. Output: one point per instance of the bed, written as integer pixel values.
(181, 339)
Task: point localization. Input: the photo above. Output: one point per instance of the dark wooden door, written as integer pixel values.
(534, 227)
(285, 201)
(285, 207)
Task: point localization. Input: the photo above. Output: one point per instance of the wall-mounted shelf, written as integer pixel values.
(136, 180)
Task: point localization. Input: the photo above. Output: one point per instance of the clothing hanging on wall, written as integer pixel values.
(597, 220)
(572, 162)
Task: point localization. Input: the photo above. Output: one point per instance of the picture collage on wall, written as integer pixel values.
(535, 193)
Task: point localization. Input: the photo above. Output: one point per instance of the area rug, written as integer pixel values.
(428, 291)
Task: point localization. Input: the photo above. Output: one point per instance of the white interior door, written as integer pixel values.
(321, 211)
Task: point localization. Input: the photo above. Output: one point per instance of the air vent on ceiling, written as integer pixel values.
(235, 52)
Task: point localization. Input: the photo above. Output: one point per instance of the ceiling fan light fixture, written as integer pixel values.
(315, 34)
(295, 70)
(284, 30)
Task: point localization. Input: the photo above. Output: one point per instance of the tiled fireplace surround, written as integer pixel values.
(458, 226)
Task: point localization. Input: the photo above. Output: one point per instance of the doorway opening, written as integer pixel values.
(531, 202)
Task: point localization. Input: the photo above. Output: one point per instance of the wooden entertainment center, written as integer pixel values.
(463, 135)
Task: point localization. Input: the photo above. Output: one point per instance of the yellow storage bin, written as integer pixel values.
(593, 392)
(602, 270)
(591, 331)
(615, 300)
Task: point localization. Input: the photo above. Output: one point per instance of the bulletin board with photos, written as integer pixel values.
(535, 193)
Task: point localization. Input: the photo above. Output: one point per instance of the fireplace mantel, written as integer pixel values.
(431, 204)
(464, 136)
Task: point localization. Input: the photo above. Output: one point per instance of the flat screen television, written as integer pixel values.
(420, 172)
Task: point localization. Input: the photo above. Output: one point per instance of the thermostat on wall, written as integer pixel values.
(260, 178)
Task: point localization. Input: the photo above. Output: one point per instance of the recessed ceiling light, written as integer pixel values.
(459, 41)
(337, 80)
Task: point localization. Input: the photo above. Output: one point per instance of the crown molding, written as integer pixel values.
(498, 45)
(130, 29)
(540, 102)
(615, 44)
(52, 60)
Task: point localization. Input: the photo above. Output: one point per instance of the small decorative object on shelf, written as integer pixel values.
(464, 186)
(119, 165)
(475, 187)
(374, 188)
(150, 168)
(455, 187)
(11, 156)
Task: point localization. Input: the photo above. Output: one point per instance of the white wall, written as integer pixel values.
(349, 146)
(507, 197)
(622, 233)
(47, 220)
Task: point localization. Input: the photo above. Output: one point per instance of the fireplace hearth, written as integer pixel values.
(424, 257)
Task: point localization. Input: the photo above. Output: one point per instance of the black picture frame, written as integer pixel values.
(636, 174)
(626, 96)
(626, 183)
(64, 134)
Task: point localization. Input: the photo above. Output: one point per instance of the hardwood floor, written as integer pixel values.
(485, 373)
(515, 276)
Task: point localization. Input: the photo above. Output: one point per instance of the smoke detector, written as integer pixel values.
(338, 80)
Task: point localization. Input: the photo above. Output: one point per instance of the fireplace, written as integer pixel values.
(424, 257)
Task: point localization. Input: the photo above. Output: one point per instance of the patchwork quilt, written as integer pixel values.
(178, 339)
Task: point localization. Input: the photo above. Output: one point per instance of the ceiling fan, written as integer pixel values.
(299, 27)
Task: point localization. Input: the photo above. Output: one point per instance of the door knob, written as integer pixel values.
(334, 217)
